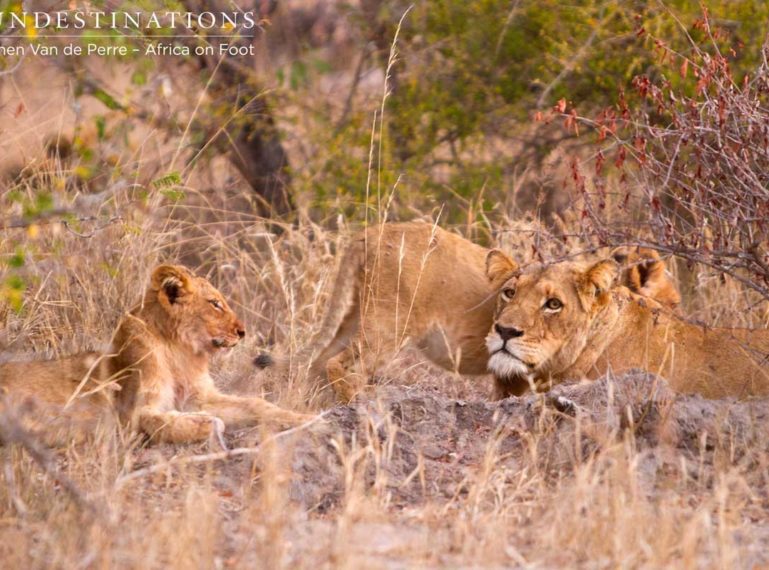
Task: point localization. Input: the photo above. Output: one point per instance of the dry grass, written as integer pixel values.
(598, 512)
(602, 509)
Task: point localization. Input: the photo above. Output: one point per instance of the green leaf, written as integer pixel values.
(173, 194)
(298, 75)
(108, 100)
(101, 124)
(167, 180)
(12, 291)
(139, 77)
(17, 259)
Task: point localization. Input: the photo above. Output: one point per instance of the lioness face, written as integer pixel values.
(543, 315)
(204, 320)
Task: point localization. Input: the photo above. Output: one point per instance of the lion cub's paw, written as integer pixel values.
(199, 426)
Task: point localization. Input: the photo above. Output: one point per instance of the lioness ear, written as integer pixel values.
(499, 267)
(594, 284)
(171, 282)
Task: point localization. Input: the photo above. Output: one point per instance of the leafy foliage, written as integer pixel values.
(470, 76)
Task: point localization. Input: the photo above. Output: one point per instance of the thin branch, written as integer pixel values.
(365, 54)
(24, 224)
(11, 432)
(572, 63)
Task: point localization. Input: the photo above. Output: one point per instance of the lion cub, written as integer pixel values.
(156, 374)
(414, 282)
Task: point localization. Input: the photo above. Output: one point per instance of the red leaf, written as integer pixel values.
(620, 160)
(599, 160)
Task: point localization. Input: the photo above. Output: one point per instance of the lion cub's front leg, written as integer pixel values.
(179, 427)
(240, 411)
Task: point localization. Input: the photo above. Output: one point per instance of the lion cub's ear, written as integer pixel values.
(594, 284)
(172, 282)
(499, 267)
(645, 273)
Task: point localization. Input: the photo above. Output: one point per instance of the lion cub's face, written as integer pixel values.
(201, 317)
(543, 314)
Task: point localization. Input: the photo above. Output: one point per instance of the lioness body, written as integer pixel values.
(713, 362)
(413, 282)
(156, 375)
(404, 282)
(569, 321)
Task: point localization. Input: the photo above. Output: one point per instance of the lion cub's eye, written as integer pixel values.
(553, 304)
(507, 293)
(217, 304)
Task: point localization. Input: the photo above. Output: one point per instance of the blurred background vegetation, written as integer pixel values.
(548, 128)
(466, 81)
(348, 111)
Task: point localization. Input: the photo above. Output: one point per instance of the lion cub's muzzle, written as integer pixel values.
(230, 340)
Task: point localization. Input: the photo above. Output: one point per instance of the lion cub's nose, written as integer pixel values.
(506, 333)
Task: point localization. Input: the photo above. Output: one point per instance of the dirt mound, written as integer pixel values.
(420, 445)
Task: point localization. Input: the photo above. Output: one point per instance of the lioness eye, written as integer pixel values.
(508, 293)
(217, 305)
(553, 304)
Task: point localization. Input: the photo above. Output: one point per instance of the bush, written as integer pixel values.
(692, 154)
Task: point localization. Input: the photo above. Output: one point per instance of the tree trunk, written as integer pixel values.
(253, 139)
(257, 151)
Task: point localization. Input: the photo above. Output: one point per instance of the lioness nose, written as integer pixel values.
(240, 328)
(241, 332)
(506, 333)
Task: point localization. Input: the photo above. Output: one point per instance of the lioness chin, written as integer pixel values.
(414, 282)
(575, 321)
(156, 374)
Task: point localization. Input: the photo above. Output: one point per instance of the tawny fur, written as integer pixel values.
(603, 327)
(38, 391)
(156, 375)
(645, 273)
(398, 283)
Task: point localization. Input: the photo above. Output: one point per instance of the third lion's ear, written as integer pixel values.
(499, 267)
(595, 283)
(645, 273)
(172, 282)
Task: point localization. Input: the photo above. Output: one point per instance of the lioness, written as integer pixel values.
(156, 373)
(415, 282)
(571, 321)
